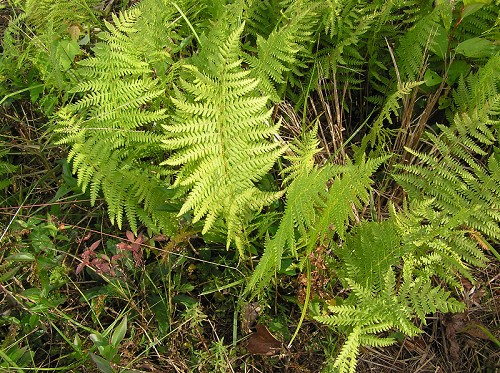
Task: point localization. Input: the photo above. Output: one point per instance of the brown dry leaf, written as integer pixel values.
(466, 283)
(452, 324)
(74, 31)
(263, 342)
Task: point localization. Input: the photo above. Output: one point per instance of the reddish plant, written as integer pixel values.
(133, 245)
(99, 262)
(102, 264)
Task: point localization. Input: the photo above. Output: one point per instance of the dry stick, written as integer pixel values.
(337, 130)
(406, 137)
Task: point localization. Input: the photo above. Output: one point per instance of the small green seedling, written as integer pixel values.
(108, 348)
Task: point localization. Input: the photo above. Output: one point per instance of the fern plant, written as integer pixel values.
(186, 114)
(314, 211)
(220, 136)
(389, 266)
(378, 301)
(452, 173)
(112, 136)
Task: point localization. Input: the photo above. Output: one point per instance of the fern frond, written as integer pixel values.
(391, 108)
(464, 191)
(220, 138)
(372, 258)
(113, 136)
(347, 359)
(59, 14)
(262, 16)
(302, 160)
(311, 208)
(350, 188)
(423, 36)
(278, 53)
(368, 268)
(304, 197)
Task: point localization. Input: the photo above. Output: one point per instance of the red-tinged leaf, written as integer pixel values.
(263, 342)
(86, 238)
(104, 257)
(116, 257)
(80, 267)
(94, 245)
(122, 246)
(130, 236)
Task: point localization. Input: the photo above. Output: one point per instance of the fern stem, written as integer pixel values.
(306, 302)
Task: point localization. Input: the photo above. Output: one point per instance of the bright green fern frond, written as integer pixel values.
(112, 133)
(221, 138)
(347, 359)
(350, 188)
(312, 208)
(278, 53)
(424, 298)
(368, 268)
(439, 242)
(302, 160)
(389, 268)
(463, 189)
(304, 197)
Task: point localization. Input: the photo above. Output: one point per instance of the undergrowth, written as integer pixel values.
(177, 175)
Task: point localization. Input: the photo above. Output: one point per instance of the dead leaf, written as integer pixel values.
(74, 31)
(452, 324)
(262, 342)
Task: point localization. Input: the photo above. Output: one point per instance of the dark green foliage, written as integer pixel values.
(6, 170)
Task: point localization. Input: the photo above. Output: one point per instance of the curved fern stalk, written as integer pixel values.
(221, 138)
(112, 136)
